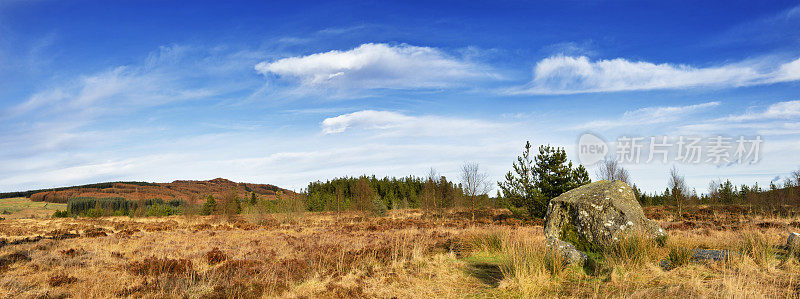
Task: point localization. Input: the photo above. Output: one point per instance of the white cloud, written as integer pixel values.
(779, 110)
(650, 115)
(372, 66)
(788, 72)
(774, 120)
(569, 75)
(389, 123)
(783, 110)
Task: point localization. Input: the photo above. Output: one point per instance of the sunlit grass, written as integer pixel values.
(21, 207)
(348, 255)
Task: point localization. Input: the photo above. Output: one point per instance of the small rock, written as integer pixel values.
(793, 241)
(702, 255)
(569, 253)
(666, 265)
(699, 256)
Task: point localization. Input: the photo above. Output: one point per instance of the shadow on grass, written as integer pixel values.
(488, 273)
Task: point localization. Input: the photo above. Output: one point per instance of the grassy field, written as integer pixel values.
(21, 207)
(404, 254)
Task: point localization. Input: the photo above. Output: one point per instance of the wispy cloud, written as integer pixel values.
(577, 74)
(94, 110)
(167, 75)
(779, 110)
(776, 119)
(650, 115)
(376, 66)
(780, 31)
(389, 123)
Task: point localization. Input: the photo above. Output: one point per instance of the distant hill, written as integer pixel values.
(193, 191)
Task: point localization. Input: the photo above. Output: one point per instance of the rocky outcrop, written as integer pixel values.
(594, 216)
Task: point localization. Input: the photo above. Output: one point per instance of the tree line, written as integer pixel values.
(526, 191)
(359, 193)
(94, 186)
(118, 206)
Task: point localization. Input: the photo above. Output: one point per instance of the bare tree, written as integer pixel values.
(429, 196)
(713, 190)
(677, 186)
(612, 171)
(474, 183)
(433, 174)
(363, 195)
(796, 176)
(339, 195)
(429, 190)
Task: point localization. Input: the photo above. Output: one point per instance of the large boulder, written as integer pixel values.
(594, 216)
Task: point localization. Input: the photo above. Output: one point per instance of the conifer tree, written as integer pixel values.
(534, 182)
(253, 199)
(209, 207)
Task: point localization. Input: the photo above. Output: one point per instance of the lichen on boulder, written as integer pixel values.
(594, 216)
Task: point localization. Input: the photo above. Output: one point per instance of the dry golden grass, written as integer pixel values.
(403, 254)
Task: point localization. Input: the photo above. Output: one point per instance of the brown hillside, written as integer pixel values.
(193, 191)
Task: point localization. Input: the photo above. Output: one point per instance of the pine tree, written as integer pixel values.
(520, 185)
(253, 199)
(235, 203)
(533, 183)
(209, 207)
(555, 174)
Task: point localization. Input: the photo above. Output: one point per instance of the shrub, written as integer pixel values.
(60, 214)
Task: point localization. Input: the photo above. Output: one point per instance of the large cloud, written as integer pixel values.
(372, 66)
(569, 75)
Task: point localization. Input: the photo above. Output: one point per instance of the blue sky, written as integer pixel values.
(290, 92)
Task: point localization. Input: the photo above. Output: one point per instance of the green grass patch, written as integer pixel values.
(487, 267)
(20, 207)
